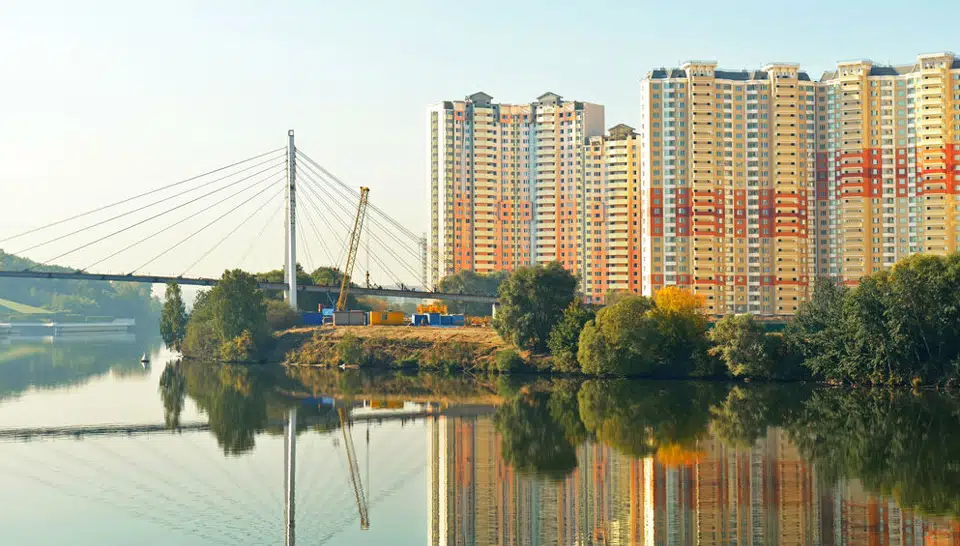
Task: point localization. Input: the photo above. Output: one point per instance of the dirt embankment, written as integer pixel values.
(390, 346)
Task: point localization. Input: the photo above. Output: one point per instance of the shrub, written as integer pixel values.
(349, 350)
(238, 349)
(280, 316)
(564, 340)
(508, 361)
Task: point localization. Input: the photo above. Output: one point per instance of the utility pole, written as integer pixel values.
(289, 476)
(291, 250)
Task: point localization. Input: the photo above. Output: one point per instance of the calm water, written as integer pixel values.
(97, 449)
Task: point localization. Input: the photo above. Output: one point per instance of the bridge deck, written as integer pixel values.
(199, 281)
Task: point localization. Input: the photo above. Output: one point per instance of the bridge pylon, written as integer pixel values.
(290, 265)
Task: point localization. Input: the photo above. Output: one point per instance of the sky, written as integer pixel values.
(100, 100)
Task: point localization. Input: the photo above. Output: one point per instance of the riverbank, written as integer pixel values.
(389, 346)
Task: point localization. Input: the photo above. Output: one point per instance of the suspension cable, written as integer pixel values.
(259, 236)
(343, 223)
(376, 209)
(386, 247)
(373, 220)
(234, 230)
(34, 230)
(217, 219)
(150, 205)
(343, 208)
(316, 231)
(177, 223)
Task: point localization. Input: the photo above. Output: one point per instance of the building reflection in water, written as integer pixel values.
(714, 495)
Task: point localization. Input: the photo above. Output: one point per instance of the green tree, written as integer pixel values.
(229, 319)
(173, 318)
(470, 282)
(280, 316)
(742, 344)
(564, 339)
(532, 301)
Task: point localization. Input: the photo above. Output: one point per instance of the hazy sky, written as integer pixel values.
(102, 100)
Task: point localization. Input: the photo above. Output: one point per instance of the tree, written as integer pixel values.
(564, 340)
(470, 282)
(532, 301)
(173, 318)
(635, 337)
(228, 319)
(742, 344)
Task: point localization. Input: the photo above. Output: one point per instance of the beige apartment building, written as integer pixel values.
(888, 164)
(744, 186)
(727, 175)
(507, 183)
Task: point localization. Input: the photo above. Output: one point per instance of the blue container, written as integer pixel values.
(312, 319)
(446, 320)
(420, 319)
(458, 320)
(433, 319)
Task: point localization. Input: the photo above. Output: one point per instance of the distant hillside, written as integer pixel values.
(19, 308)
(87, 298)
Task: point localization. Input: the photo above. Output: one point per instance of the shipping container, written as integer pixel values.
(446, 320)
(420, 319)
(312, 319)
(458, 320)
(387, 318)
(350, 318)
(433, 319)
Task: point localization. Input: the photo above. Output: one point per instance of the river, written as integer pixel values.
(97, 449)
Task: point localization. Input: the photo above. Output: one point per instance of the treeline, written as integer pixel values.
(86, 298)
(896, 327)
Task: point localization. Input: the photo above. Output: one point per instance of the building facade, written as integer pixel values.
(507, 183)
(888, 164)
(727, 172)
(744, 186)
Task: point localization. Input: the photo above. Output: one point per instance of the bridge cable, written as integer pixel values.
(258, 238)
(386, 247)
(217, 219)
(127, 200)
(353, 195)
(376, 209)
(234, 230)
(316, 232)
(306, 246)
(343, 223)
(177, 223)
(112, 218)
(376, 258)
(141, 222)
(374, 221)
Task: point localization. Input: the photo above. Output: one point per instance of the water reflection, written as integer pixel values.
(26, 364)
(452, 459)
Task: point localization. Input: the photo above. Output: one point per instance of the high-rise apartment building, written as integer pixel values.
(611, 223)
(888, 164)
(507, 183)
(727, 173)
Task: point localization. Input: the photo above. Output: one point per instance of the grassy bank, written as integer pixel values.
(390, 346)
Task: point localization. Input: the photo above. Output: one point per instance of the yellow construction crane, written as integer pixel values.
(354, 246)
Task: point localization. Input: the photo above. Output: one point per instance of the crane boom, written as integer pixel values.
(352, 251)
(354, 470)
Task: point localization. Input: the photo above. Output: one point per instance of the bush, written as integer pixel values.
(349, 349)
(451, 355)
(508, 361)
(637, 337)
(280, 316)
(238, 349)
(564, 340)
